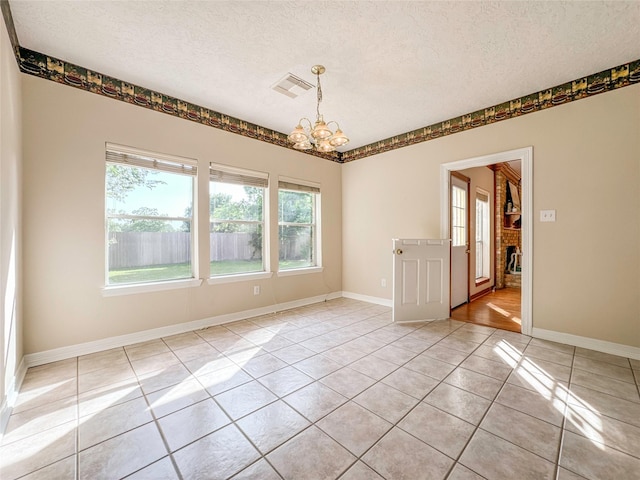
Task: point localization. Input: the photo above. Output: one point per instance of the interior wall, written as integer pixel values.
(480, 177)
(586, 265)
(64, 240)
(10, 211)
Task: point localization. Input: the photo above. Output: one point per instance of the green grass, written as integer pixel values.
(159, 273)
(235, 266)
(150, 274)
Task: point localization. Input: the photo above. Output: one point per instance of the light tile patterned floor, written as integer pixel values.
(332, 390)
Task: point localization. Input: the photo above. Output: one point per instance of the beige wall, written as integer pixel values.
(586, 266)
(480, 177)
(10, 206)
(64, 141)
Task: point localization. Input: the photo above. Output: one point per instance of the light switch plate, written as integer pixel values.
(547, 215)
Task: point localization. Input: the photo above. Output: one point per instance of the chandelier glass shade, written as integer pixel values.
(306, 136)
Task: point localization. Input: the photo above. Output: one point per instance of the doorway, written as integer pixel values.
(484, 307)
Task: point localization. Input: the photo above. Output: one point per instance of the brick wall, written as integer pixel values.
(505, 237)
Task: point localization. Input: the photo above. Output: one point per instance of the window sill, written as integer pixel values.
(239, 277)
(116, 290)
(300, 271)
(482, 281)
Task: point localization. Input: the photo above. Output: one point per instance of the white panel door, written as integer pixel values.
(420, 279)
(459, 241)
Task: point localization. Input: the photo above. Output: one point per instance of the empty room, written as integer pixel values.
(319, 240)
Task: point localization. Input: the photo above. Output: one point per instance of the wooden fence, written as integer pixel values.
(140, 249)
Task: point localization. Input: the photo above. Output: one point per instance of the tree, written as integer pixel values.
(295, 207)
(147, 224)
(222, 208)
(121, 180)
(141, 224)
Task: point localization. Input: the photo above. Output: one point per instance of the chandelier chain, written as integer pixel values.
(319, 90)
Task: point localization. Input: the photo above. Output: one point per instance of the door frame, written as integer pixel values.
(467, 180)
(525, 155)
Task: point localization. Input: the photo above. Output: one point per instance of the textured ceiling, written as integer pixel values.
(391, 66)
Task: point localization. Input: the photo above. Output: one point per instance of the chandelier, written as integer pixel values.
(319, 135)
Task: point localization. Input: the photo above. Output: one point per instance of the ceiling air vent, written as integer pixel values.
(291, 86)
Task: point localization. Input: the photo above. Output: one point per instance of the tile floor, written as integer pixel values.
(332, 390)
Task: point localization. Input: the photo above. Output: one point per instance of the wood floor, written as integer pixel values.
(500, 309)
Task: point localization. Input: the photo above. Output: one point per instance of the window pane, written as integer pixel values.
(296, 247)
(235, 202)
(235, 248)
(458, 216)
(143, 250)
(235, 236)
(295, 207)
(142, 246)
(142, 191)
(483, 225)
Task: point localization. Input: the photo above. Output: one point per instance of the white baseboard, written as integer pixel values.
(626, 351)
(62, 353)
(366, 298)
(12, 395)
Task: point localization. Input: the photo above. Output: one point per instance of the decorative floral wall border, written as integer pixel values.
(610, 79)
(51, 68)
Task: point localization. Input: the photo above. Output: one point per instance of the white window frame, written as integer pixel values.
(483, 229)
(293, 184)
(124, 155)
(239, 176)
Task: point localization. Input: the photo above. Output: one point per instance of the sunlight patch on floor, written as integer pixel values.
(582, 415)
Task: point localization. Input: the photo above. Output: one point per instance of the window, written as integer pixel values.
(483, 225)
(458, 216)
(237, 226)
(149, 216)
(298, 234)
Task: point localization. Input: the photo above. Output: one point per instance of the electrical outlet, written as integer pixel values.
(383, 282)
(547, 215)
(256, 290)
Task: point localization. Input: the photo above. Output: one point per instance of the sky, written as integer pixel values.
(171, 198)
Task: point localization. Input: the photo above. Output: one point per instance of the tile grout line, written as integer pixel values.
(563, 427)
(77, 429)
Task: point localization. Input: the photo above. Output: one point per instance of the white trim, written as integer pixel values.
(626, 351)
(12, 395)
(116, 290)
(366, 298)
(299, 271)
(239, 277)
(62, 353)
(333, 296)
(526, 156)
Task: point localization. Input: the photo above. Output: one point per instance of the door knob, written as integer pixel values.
(398, 252)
